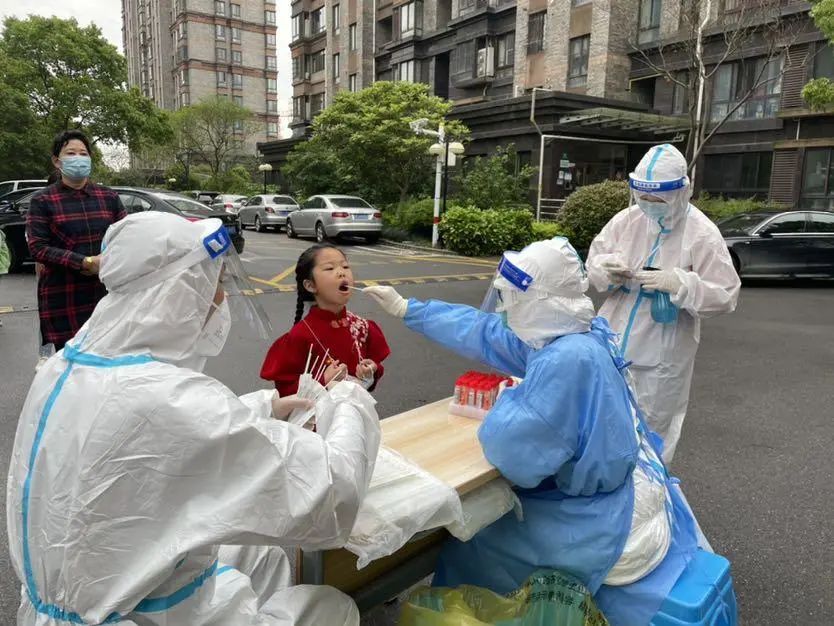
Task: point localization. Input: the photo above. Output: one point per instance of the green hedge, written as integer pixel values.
(589, 208)
(413, 217)
(716, 207)
(472, 232)
(549, 230)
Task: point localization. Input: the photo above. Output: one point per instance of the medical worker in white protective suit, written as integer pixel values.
(130, 471)
(597, 501)
(658, 311)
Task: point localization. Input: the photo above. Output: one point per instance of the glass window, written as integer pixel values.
(220, 54)
(237, 126)
(317, 61)
(297, 26)
(271, 106)
(235, 10)
(220, 7)
(820, 223)
(270, 40)
(680, 94)
(237, 57)
(297, 68)
(738, 174)
(299, 109)
(272, 85)
(411, 19)
(505, 51)
(818, 180)
(756, 83)
(824, 61)
(465, 7)
(272, 128)
(463, 59)
(405, 72)
(352, 36)
(238, 100)
(316, 103)
(237, 81)
(337, 70)
(235, 34)
(352, 82)
(182, 55)
(535, 32)
(794, 223)
(649, 25)
(221, 78)
(269, 17)
(350, 203)
(271, 62)
(578, 61)
(337, 18)
(183, 77)
(220, 32)
(317, 20)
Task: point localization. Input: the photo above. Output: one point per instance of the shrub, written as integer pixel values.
(472, 232)
(414, 217)
(717, 208)
(589, 208)
(549, 230)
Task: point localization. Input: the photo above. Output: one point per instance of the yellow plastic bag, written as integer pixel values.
(548, 598)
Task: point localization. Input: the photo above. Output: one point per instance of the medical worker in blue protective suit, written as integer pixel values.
(596, 499)
(145, 493)
(658, 312)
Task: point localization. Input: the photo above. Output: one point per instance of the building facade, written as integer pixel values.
(600, 104)
(182, 51)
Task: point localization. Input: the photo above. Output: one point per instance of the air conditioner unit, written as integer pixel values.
(486, 62)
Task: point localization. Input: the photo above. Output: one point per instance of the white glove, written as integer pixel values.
(282, 407)
(618, 272)
(388, 298)
(662, 280)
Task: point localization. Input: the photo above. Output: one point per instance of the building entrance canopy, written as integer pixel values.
(617, 119)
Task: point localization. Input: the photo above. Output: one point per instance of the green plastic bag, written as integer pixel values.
(5, 255)
(548, 598)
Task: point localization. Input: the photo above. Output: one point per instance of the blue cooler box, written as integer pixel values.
(703, 595)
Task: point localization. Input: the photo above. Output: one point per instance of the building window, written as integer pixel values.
(299, 109)
(237, 81)
(649, 24)
(337, 70)
(238, 100)
(405, 72)
(235, 35)
(337, 18)
(221, 78)
(220, 32)
(269, 17)
(237, 126)
(352, 82)
(757, 82)
(818, 179)
(235, 10)
(824, 62)
(220, 54)
(352, 36)
(183, 78)
(738, 175)
(182, 30)
(465, 7)
(272, 128)
(463, 59)
(297, 68)
(271, 106)
(182, 54)
(680, 94)
(410, 19)
(220, 7)
(578, 61)
(271, 62)
(316, 103)
(270, 40)
(579, 3)
(272, 85)
(185, 99)
(317, 24)
(317, 62)
(535, 32)
(505, 51)
(297, 26)
(237, 57)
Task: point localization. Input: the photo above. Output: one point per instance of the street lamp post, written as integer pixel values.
(265, 167)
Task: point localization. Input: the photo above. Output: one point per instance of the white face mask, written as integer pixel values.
(215, 332)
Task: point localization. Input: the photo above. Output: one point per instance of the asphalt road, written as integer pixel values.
(754, 461)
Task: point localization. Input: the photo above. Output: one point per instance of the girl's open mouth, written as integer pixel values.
(344, 287)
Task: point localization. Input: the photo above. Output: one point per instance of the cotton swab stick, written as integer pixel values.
(323, 365)
(309, 354)
(313, 368)
(355, 288)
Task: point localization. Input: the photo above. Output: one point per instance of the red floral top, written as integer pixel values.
(348, 337)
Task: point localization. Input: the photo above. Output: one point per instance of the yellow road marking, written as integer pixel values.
(263, 282)
(283, 275)
(455, 260)
(427, 278)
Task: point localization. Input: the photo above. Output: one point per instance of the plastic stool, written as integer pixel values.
(703, 595)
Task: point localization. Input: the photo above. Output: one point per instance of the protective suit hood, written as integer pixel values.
(542, 289)
(661, 173)
(158, 300)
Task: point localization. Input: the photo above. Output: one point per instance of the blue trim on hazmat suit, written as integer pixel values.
(565, 438)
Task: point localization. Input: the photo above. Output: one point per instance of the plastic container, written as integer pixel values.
(703, 595)
(476, 393)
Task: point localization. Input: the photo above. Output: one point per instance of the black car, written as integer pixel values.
(136, 199)
(13, 216)
(796, 244)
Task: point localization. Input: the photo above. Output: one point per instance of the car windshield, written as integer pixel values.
(232, 198)
(188, 206)
(350, 203)
(283, 200)
(741, 224)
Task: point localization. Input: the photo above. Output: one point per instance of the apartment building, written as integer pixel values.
(598, 104)
(182, 51)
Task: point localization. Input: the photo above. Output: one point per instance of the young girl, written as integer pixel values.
(352, 346)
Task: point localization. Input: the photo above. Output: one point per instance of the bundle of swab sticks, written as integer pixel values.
(309, 388)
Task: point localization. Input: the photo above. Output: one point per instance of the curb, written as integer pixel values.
(438, 251)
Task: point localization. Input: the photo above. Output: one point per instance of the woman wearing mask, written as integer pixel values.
(65, 225)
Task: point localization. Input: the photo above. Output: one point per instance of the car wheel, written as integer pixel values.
(321, 235)
(291, 231)
(258, 225)
(15, 262)
(242, 225)
(372, 239)
(736, 263)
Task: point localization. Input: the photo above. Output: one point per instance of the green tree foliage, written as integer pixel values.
(362, 144)
(495, 182)
(589, 208)
(819, 93)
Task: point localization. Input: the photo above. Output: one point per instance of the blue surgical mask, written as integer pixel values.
(653, 210)
(76, 167)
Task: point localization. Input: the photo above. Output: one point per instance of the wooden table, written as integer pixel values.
(444, 445)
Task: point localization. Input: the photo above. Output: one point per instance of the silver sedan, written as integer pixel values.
(266, 211)
(334, 216)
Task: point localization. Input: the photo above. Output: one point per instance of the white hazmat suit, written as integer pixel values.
(662, 230)
(129, 471)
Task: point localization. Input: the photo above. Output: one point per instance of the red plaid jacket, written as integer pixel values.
(64, 226)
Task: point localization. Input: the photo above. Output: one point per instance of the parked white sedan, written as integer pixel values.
(335, 216)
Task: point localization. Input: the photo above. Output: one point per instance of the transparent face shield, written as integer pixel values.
(657, 199)
(512, 285)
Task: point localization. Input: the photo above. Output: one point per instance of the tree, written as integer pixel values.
(362, 144)
(212, 131)
(819, 93)
(495, 182)
(71, 77)
(713, 34)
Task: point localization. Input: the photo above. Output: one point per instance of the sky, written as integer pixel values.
(107, 15)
